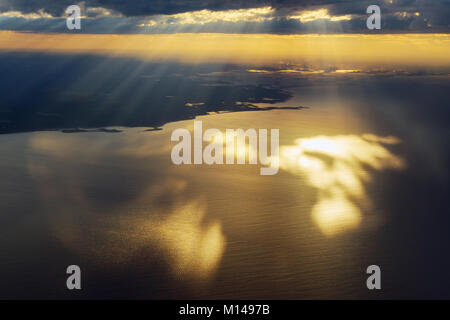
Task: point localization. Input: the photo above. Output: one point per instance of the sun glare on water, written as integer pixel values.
(337, 167)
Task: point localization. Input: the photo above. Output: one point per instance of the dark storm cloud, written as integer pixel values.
(400, 15)
(132, 7)
(152, 7)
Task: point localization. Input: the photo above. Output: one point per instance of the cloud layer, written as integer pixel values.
(229, 16)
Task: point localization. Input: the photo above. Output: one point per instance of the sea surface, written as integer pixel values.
(363, 180)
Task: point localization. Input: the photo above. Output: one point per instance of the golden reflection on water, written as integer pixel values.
(183, 233)
(191, 244)
(336, 167)
(193, 248)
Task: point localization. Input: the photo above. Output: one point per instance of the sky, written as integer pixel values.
(338, 50)
(227, 16)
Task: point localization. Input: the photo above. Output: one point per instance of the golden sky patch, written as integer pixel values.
(405, 49)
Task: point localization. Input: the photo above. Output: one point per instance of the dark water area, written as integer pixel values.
(102, 192)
